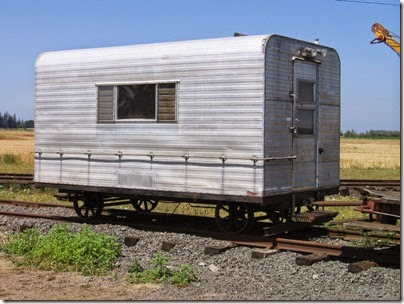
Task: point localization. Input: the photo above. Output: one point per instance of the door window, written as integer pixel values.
(306, 122)
(305, 91)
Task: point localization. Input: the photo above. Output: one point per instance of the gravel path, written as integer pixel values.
(237, 276)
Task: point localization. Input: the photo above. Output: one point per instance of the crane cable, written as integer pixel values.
(370, 2)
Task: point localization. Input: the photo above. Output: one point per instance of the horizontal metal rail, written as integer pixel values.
(32, 204)
(308, 247)
(337, 203)
(370, 182)
(152, 155)
(386, 255)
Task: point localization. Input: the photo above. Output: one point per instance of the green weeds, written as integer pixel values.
(160, 272)
(367, 242)
(10, 159)
(62, 250)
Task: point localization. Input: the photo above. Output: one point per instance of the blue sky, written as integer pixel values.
(370, 73)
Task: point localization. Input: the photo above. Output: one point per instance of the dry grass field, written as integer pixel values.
(360, 158)
(370, 158)
(16, 151)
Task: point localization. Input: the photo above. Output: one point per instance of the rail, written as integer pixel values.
(370, 182)
(153, 155)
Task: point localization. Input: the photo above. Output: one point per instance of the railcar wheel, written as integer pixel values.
(88, 207)
(234, 218)
(144, 205)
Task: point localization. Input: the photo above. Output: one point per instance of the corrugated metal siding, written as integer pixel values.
(220, 101)
(278, 111)
(278, 116)
(329, 120)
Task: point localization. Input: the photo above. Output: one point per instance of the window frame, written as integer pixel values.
(139, 120)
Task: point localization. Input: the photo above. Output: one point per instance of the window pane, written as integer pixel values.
(306, 122)
(105, 103)
(305, 91)
(137, 101)
(166, 102)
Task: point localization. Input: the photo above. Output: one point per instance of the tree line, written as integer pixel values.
(8, 121)
(371, 134)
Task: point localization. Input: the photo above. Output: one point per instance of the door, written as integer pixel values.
(305, 126)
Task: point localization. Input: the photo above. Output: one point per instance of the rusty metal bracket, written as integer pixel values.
(119, 154)
(88, 153)
(186, 157)
(60, 152)
(151, 155)
(254, 159)
(223, 158)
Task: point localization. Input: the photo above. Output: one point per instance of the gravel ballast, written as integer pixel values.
(233, 274)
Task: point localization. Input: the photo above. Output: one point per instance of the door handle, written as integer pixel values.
(268, 158)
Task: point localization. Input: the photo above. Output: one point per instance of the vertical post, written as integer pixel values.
(292, 215)
(293, 123)
(317, 118)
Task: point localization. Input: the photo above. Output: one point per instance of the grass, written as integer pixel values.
(370, 158)
(366, 242)
(161, 272)
(344, 212)
(62, 250)
(185, 208)
(16, 151)
(27, 193)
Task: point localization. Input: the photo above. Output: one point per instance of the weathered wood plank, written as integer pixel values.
(359, 225)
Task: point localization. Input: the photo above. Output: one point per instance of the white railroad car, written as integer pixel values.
(250, 122)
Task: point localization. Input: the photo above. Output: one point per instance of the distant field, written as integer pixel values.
(370, 158)
(360, 158)
(16, 147)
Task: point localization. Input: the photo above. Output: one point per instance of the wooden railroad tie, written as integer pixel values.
(262, 253)
(131, 241)
(307, 260)
(361, 266)
(214, 250)
(167, 246)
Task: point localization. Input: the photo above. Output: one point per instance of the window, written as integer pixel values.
(105, 103)
(306, 122)
(166, 102)
(137, 102)
(305, 91)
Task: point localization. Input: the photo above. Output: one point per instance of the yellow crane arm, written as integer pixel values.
(383, 35)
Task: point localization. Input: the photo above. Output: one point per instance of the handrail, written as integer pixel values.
(152, 155)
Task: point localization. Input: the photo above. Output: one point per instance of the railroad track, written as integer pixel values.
(370, 182)
(200, 226)
(16, 178)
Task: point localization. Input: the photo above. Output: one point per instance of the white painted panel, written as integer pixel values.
(220, 102)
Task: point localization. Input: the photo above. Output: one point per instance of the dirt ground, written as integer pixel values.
(26, 284)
